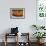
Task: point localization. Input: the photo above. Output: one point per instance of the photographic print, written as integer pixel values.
(17, 13)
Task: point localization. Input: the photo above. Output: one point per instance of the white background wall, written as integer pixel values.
(23, 24)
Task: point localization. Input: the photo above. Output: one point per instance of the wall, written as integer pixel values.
(23, 24)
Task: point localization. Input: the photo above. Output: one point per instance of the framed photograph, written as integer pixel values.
(17, 13)
(41, 8)
(41, 12)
